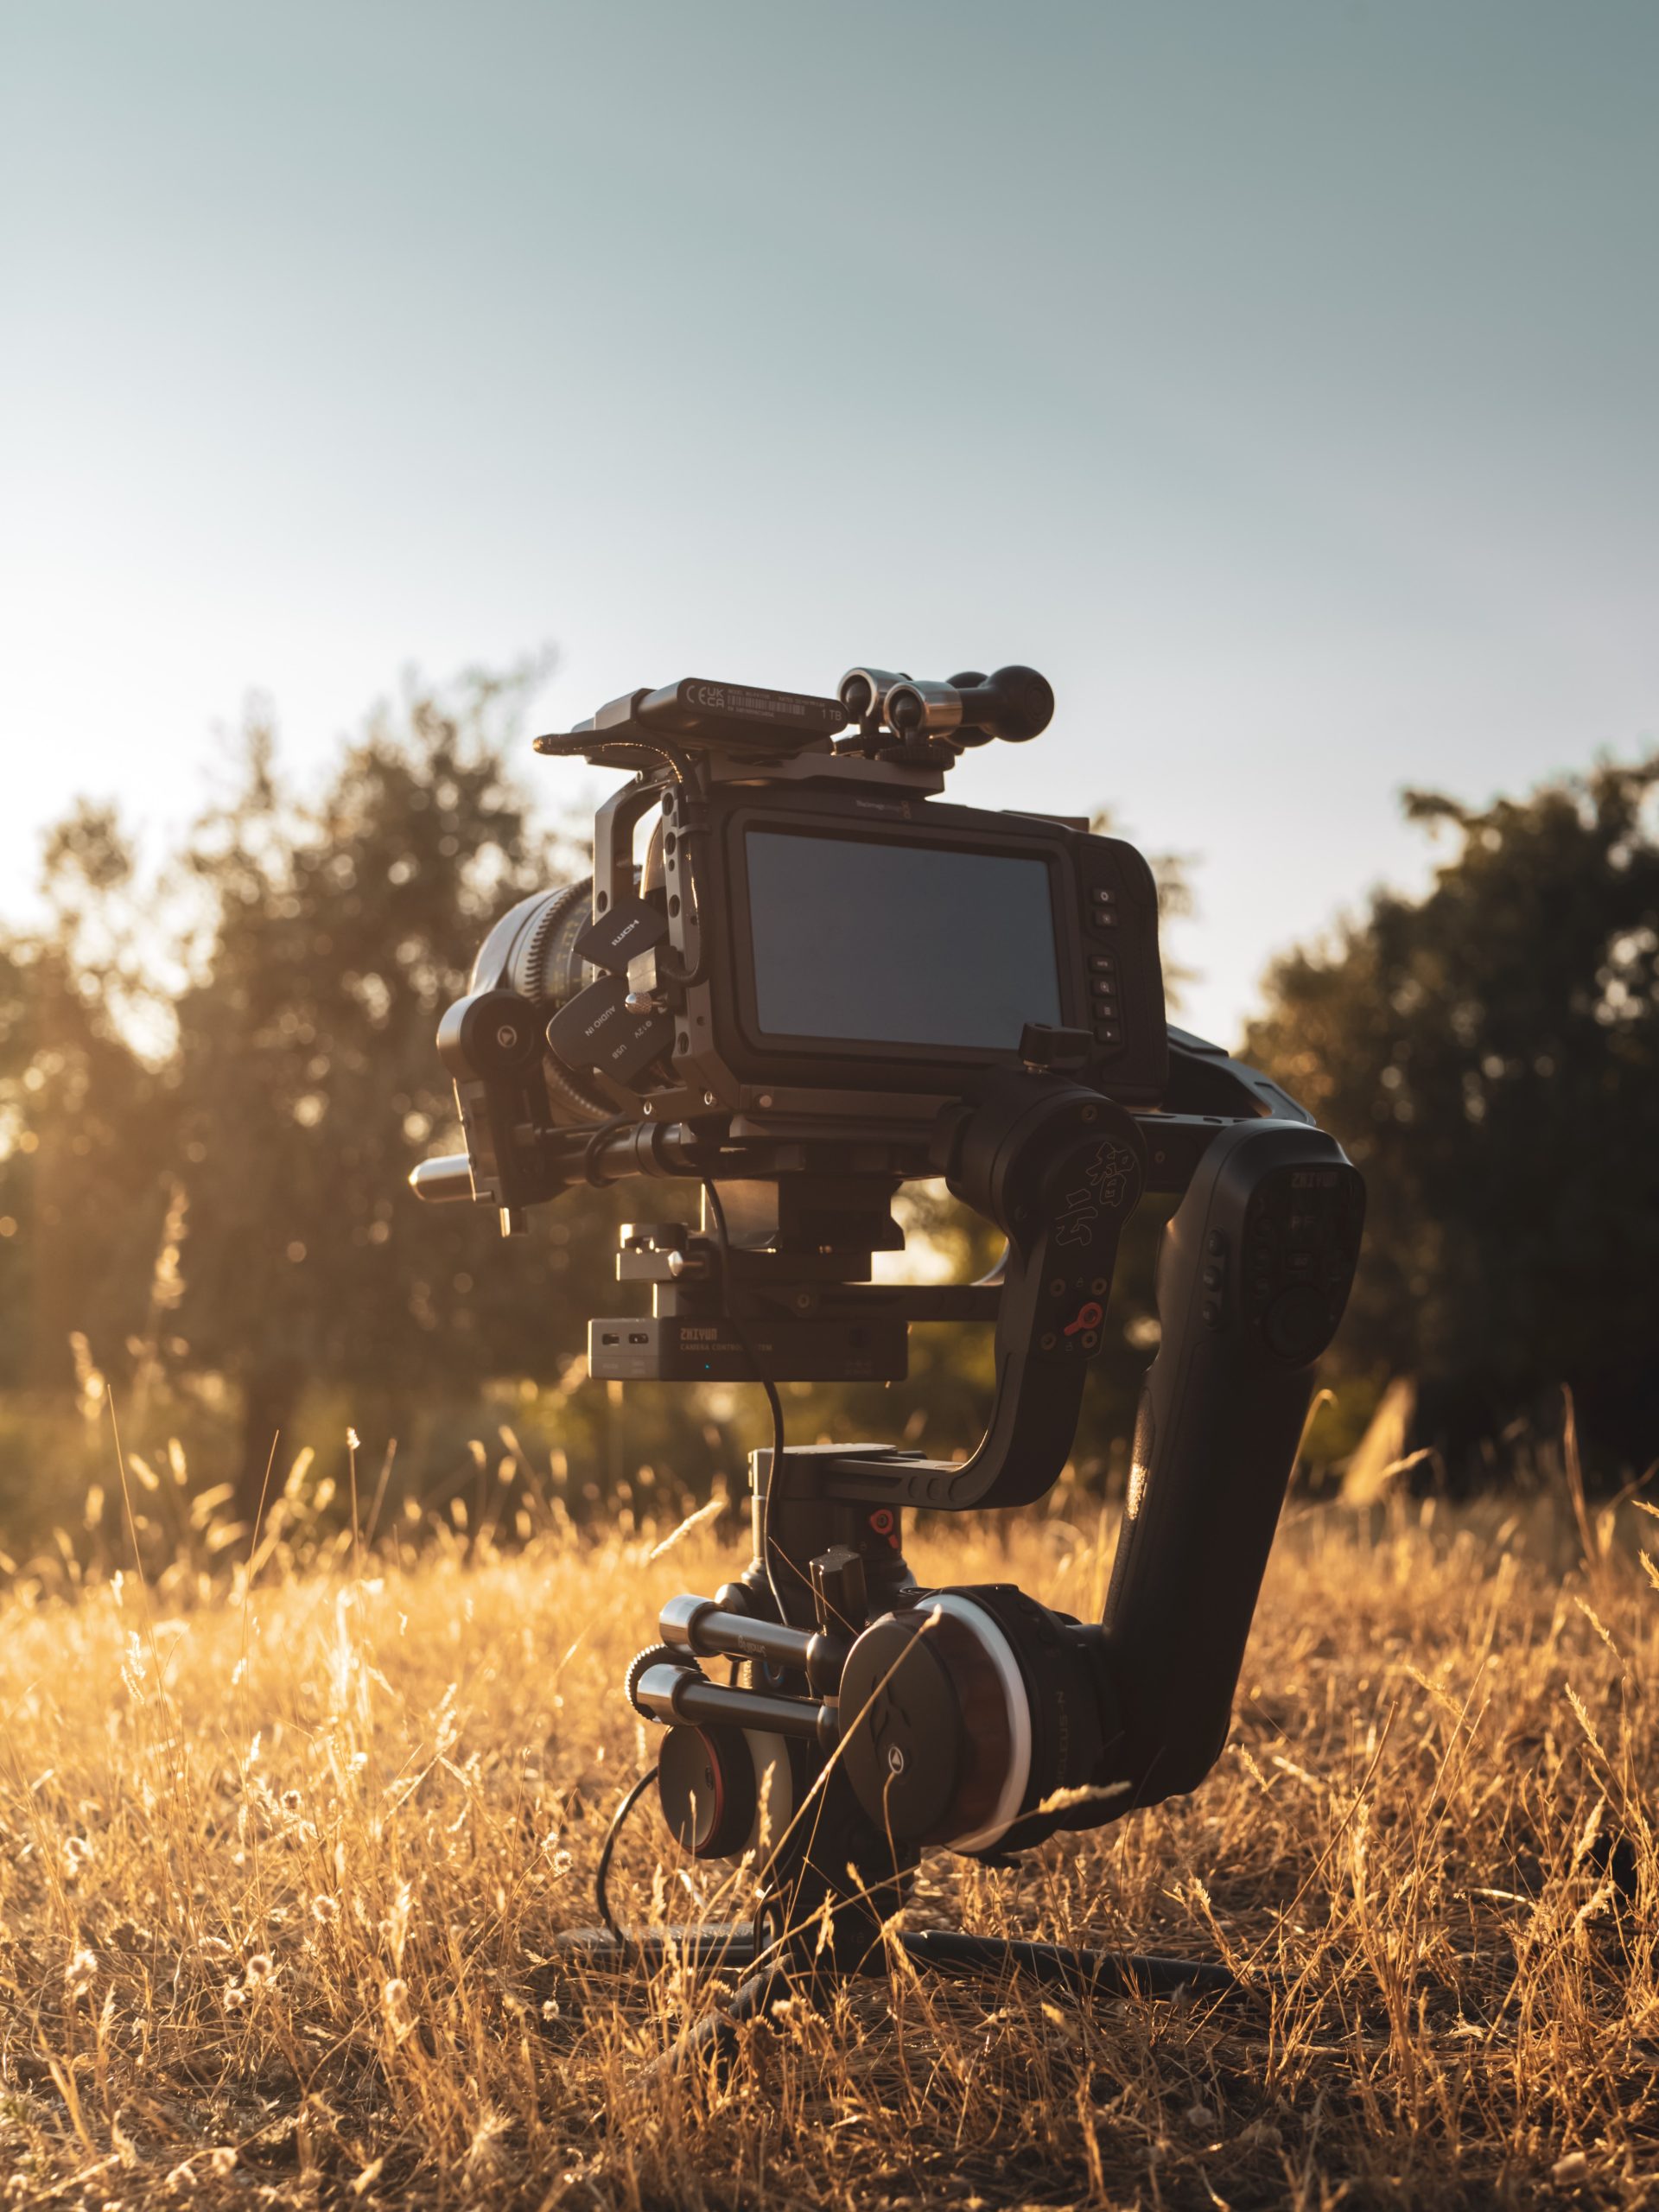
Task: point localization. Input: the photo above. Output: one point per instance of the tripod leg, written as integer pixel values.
(715, 1944)
(829, 1890)
(714, 2037)
(1085, 1973)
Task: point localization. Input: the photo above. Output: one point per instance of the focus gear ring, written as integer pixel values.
(655, 1655)
(530, 978)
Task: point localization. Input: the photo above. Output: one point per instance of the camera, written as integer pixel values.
(812, 938)
(798, 979)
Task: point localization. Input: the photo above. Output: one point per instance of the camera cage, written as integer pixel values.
(716, 780)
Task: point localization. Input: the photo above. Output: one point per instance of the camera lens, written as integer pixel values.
(544, 968)
(531, 951)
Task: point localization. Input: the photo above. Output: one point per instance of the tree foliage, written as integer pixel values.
(307, 1085)
(84, 1120)
(212, 1090)
(1489, 1053)
(212, 1086)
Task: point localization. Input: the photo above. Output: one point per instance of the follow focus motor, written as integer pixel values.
(820, 982)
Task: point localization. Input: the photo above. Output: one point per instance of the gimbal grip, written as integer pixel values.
(1252, 1278)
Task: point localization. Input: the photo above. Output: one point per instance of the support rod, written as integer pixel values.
(674, 1693)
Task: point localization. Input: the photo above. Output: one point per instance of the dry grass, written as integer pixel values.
(282, 1877)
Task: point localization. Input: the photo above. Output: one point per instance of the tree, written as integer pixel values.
(85, 1121)
(308, 1084)
(1489, 1054)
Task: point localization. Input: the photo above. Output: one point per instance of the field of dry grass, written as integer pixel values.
(283, 1871)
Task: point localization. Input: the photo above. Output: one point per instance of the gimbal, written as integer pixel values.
(867, 1718)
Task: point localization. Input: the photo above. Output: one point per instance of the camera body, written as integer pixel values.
(856, 947)
(819, 938)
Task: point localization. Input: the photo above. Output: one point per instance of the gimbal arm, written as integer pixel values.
(1253, 1274)
(1059, 1169)
(1252, 1277)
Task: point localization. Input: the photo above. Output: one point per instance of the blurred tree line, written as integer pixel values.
(1489, 1055)
(211, 1091)
(213, 1083)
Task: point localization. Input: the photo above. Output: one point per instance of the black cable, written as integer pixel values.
(601, 1872)
(597, 1137)
(564, 745)
(717, 1214)
(681, 762)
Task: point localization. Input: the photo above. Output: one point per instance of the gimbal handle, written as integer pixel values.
(1253, 1274)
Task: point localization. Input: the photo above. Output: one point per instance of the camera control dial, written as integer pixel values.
(963, 1714)
(936, 1724)
(706, 1782)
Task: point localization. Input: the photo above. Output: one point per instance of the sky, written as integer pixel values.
(1279, 379)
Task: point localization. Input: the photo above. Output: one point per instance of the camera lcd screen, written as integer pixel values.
(893, 944)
